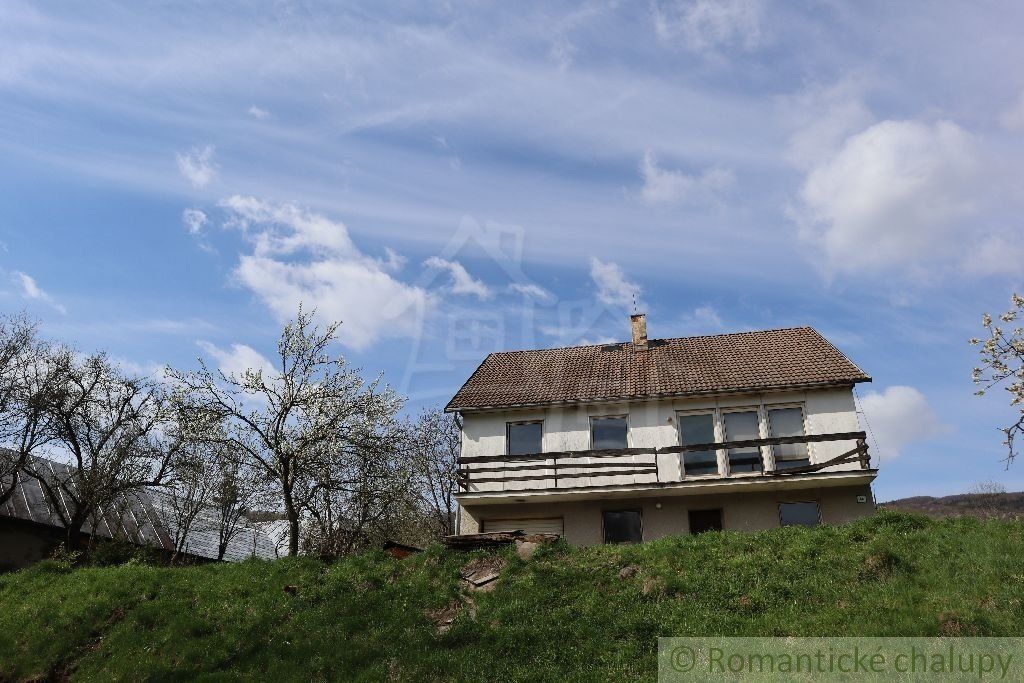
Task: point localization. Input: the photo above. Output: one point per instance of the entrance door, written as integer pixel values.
(705, 520)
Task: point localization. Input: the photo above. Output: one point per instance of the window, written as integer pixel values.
(799, 514)
(705, 520)
(524, 437)
(623, 526)
(608, 432)
(694, 429)
(741, 426)
(788, 422)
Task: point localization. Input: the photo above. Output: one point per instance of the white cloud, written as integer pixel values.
(300, 256)
(197, 165)
(1012, 117)
(237, 359)
(613, 288)
(531, 290)
(662, 186)
(257, 112)
(892, 195)
(462, 281)
(898, 417)
(195, 220)
(708, 24)
(30, 289)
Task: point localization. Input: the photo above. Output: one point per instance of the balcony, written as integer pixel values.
(574, 474)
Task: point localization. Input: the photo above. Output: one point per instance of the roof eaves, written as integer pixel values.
(663, 395)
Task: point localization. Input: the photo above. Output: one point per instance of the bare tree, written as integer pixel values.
(435, 443)
(311, 411)
(116, 432)
(988, 496)
(30, 372)
(359, 495)
(237, 489)
(182, 503)
(1002, 363)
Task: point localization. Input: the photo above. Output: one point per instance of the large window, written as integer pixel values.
(788, 422)
(623, 526)
(741, 426)
(524, 437)
(799, 514)
(608, 432)
(695, 429)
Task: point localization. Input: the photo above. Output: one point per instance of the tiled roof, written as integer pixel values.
(722, 363)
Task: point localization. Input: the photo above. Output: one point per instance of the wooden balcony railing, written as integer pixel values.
(564, 468)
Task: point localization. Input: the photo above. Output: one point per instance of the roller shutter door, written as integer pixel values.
(552, 525)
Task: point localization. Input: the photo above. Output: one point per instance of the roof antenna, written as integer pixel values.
(634, 302)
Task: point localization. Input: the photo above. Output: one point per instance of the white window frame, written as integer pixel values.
(716, 424)
(803, 420)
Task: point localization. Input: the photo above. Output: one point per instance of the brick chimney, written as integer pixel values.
(638, 322)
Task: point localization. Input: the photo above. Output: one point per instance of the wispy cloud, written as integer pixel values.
(258, 112)
(195, 220)
(613, 288)
(237, 359)
(531, 290)
(461, 281)
(710, 24)
(197, 165)
(30, 289)
(664, 186)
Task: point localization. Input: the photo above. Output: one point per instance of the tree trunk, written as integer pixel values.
(73, 531)
(293, 524)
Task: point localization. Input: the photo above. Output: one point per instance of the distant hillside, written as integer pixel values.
(985, 505)
(563, 614)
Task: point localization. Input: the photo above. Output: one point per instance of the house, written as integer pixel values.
(631, 441)
(30, 529)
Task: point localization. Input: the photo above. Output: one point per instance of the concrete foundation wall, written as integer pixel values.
(669, 516)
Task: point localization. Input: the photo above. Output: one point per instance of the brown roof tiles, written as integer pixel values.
(722, 363)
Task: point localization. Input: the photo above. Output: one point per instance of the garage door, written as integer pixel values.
(552, 525)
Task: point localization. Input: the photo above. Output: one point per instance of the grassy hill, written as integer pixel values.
(565, 613)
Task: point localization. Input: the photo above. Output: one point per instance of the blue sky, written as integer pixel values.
(451, 179)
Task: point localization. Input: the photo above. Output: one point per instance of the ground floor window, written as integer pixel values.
(799, 514)
(623, 526)
(705, 520)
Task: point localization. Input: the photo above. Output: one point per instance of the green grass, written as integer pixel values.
(566, 614)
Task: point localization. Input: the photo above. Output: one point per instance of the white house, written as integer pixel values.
(631, 441)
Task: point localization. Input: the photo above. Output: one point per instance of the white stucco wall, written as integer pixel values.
(651, 424)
